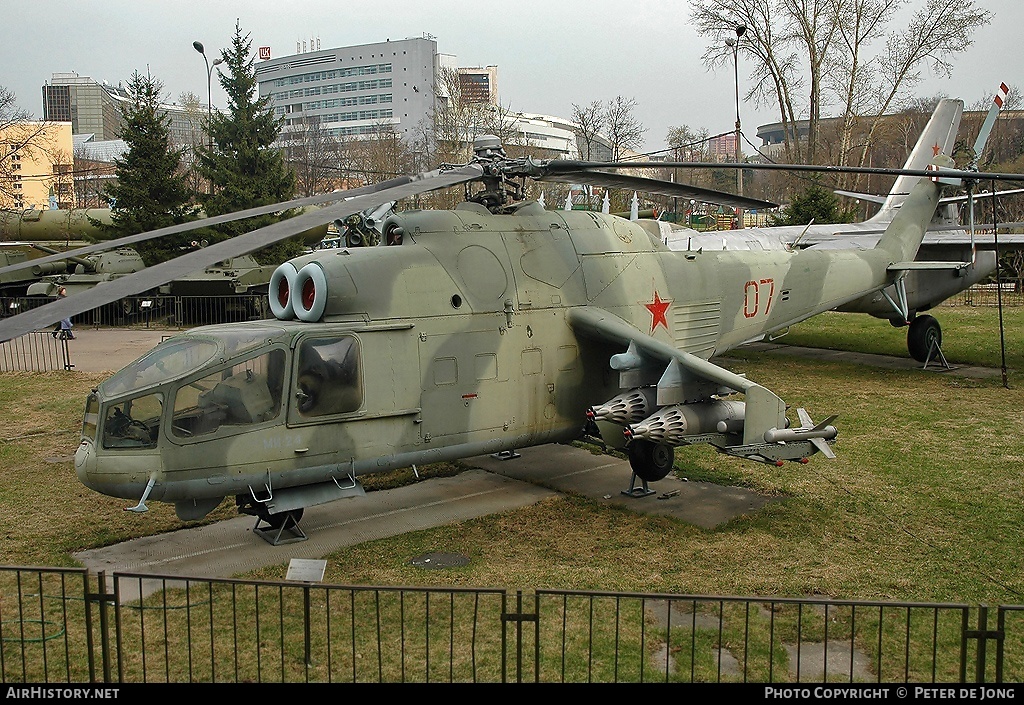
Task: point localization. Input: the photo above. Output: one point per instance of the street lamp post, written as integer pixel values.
(209, 89)
(735, 44)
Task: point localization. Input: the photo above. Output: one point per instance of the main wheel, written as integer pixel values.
(924, 333)
(650, 461)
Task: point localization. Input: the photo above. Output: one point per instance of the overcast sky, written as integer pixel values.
(549, 54)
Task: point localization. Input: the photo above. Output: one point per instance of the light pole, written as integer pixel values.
(735, 44)
(209, 89)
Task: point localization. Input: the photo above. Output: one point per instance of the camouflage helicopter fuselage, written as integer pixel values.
(474, 333)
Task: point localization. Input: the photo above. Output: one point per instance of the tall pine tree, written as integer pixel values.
(150, 191)
(245, 168)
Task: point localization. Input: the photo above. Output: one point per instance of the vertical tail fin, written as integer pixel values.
(904, 234)
(938, 137)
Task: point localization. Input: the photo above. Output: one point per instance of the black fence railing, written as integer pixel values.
(39, 351)
(1008, 294)
(65, 626)
(162, 310)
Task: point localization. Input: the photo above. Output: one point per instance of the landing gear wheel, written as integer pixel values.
(924, 333)
(650, 461)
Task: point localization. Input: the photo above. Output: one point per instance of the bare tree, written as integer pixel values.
(61, 182)
(767, 44)
(625, 131)
(195, 139)
(821, 46)
(314, 155)
(451, 121)
(851, 74)
(936, 32)
(589, 121)
(21, 137)
(90, 176)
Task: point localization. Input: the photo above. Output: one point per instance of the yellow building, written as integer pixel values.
(36, 162)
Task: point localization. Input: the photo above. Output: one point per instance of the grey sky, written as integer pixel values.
(549, 54)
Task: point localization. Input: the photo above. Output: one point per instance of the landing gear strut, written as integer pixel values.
(279, 524)
(275, 529)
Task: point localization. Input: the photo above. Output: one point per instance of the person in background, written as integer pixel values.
(63, 329)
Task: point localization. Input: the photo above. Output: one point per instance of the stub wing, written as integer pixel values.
(675, 398)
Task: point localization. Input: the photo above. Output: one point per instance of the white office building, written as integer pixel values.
(353, 90)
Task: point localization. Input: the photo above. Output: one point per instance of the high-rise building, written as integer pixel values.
(96, 108)
(722, 148)
(479, 84)
(354, 90)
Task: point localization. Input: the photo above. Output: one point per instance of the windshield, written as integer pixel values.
(185, 353)
(166, 361)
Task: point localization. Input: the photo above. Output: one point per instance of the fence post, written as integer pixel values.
(983, 634)
(103, 599)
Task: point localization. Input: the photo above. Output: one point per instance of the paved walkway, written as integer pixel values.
(886, 361)
(110, 349)
(496, 485)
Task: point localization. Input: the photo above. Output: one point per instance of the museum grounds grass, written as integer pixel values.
(924, 503)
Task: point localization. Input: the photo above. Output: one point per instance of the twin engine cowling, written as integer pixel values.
(299, 293)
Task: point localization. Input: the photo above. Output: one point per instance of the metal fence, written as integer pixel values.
(65, 626)
(163, 310)
(40, 351)
(989, 295)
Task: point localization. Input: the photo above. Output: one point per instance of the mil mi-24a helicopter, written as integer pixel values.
(494, 326)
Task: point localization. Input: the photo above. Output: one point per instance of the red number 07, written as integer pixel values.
(752, 291)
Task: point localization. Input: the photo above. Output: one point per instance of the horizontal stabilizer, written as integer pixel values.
(869, 197)
(907, 266)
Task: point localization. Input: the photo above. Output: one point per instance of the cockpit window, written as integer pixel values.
(165, 362)
(248, 392)
(328, 379)
(92, 417)
(133, 423)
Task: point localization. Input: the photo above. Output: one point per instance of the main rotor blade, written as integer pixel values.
(152, 277)
(667, 188)
(568, 165)
(213, 220)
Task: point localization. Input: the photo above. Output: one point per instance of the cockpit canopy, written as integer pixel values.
(182, 354)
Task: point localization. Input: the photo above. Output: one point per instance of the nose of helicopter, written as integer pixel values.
(85, 464)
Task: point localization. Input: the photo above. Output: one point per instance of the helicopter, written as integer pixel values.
(490, 327)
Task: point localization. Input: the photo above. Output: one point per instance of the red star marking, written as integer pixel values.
(658, 308)
(936, 149)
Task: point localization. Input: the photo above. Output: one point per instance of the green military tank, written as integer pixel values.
(231, 290)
